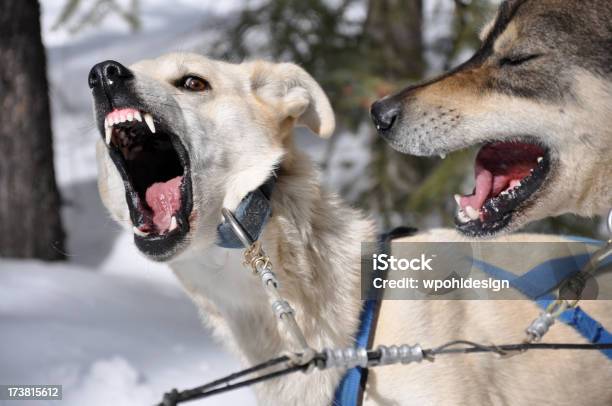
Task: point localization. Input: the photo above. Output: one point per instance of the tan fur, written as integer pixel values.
(553, 377)
(559, 97)
(581, 184)
(472, 105)
(506, 40)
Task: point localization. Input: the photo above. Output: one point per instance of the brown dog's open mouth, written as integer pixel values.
(507, 174)
(155, 169)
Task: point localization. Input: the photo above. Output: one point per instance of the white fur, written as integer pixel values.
(236, 135)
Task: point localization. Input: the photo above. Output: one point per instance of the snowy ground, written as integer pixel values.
(109, 337)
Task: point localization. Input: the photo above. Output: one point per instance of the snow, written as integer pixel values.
(110, 326)
(108, 338)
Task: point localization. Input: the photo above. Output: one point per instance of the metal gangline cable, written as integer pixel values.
(351, 357)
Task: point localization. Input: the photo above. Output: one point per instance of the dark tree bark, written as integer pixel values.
(397, 28)
(30, 224)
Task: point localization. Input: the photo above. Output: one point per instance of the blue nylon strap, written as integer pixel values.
(539, 281)
(588, 327)
(348, 393)
(252, 213)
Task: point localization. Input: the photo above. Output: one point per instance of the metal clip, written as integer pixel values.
(256, 259)
(404, 354)
(540, 326)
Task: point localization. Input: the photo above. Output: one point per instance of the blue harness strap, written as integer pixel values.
(348, 393)
(350, 390)
(588, 327)
(539, 281)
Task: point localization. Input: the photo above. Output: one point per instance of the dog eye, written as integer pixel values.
(194, 83)
(517, 59)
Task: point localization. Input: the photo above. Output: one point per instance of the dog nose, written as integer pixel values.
(384, 113)
(108, 73)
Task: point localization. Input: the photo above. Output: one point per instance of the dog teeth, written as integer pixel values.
(462, 217)
(173, 224)
(442, 156)
(139, 232)
(149, 120)
(515, 184)
(540, 159)
(458, 200)
(108, 133)
(128, 115)
(472, 213)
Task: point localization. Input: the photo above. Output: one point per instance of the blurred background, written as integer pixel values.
(78, 305)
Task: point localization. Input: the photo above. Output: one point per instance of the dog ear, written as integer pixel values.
(292, 92)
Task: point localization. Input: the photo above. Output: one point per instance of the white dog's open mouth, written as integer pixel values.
(507, 174)
(154, 166)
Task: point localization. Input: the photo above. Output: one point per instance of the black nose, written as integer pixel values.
(384, 113)
(107, 74)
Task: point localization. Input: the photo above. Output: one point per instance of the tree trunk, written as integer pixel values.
(30, 224)
(397, 28)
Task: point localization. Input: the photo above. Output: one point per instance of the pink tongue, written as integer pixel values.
(164, 199)
(484, 184)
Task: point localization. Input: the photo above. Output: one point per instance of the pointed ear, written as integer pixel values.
(292, 92)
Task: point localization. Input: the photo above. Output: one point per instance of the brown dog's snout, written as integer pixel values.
(385, 112)
(108, 74)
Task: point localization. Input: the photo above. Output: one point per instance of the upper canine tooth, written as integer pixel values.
(540, 159)
(443, 156)
(149, 120)
(458, 200)
(108, 132)
(173, 223)
(137, 116)
(472, 213)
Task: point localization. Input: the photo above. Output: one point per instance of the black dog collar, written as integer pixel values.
(252, 214)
